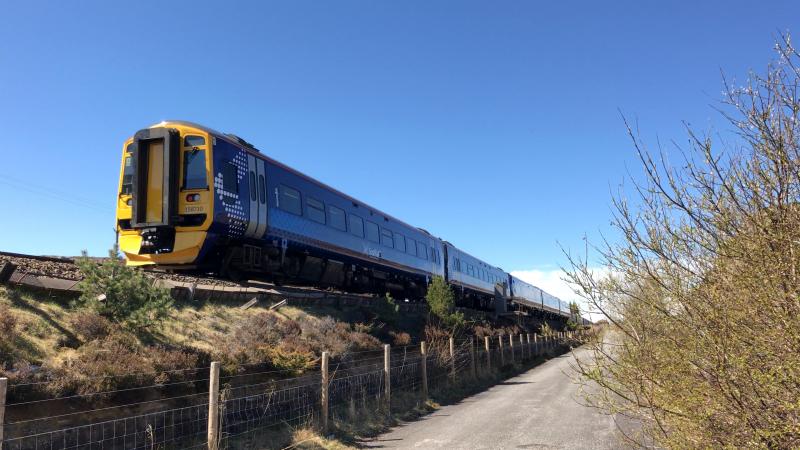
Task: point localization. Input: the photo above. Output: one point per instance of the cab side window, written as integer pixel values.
(127, 176)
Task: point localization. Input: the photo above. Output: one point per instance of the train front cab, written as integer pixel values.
(165, 200)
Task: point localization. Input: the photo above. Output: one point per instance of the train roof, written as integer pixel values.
(474, 257)
(561, 303)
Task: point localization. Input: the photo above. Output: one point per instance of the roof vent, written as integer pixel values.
(241, 141)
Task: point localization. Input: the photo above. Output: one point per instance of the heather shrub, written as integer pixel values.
(8, 321)
(363, 327)
(101, 365)
(118, 361)
(168, 362)
(262, 328)
(90, 326)
(293, 356)
(8, 329)
(363, 342)
(290, 345)
(480, 331)
(401, 338)
(326, 334)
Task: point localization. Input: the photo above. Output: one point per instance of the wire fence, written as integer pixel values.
(247, 408)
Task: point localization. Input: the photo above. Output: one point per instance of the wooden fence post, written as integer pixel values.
(452, 359)
(424, 368)
(511, 346)
(472, 357)
(488, 353)
(213, 407)
(521, 346)
(530, 349)
(3, 389)
(387, 373)
(502, 356)
(325, 393)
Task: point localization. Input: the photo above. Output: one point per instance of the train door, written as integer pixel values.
(256, 176)
(155, 190)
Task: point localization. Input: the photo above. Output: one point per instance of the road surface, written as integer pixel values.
(540, 409)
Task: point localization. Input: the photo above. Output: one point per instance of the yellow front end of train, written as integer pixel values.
(165, 199)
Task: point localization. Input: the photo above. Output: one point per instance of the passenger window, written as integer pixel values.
(194, 141)
(372, 232)
(356, 225)
(336, 218)
(230, 178)
(399, 242)
(127, 176)
(386, 237)
(262, 190)
(289, 200)
(315, 210)
(411, 247)
(422, 250)
(253, 187)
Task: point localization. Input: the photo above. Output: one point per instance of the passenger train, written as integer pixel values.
(192, 198)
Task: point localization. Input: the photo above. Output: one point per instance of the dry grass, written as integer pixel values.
(43, 332)
(309, 439)
(47, 334)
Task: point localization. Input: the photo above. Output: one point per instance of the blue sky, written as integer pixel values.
(495, 125)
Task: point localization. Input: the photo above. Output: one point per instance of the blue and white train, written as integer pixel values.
(192, 198)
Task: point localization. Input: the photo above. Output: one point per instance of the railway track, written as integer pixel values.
(62, 275)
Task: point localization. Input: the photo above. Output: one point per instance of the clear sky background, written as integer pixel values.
(493, 124)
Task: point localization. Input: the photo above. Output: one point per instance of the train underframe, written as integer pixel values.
(282, 264)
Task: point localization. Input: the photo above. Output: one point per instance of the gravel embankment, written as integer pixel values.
(47, 267)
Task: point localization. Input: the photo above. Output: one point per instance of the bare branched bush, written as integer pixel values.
(703, 294)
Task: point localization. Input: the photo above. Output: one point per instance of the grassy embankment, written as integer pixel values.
(50, 338)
